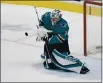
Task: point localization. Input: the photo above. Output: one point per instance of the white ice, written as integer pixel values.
(20, 54)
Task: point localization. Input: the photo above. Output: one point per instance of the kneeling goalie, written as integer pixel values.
(56, 49)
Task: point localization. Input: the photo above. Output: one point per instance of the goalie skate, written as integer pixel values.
(84, 70)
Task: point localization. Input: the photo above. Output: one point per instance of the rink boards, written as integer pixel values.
(71, 7)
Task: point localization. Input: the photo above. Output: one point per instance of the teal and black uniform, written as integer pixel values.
(60, 29)
(56, 45)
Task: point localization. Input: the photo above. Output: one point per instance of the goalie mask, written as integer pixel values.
(55, 15)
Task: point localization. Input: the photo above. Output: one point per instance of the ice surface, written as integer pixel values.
(20, 54)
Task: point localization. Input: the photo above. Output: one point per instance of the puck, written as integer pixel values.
(26, 33)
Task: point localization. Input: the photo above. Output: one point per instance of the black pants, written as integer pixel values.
(61, 47)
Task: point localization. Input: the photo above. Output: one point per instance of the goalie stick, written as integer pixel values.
(37, 14)
(37, 39)
(26, 33)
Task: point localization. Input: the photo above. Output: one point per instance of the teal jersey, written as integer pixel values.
(61, 29)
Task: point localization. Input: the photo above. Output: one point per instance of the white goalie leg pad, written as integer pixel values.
(62, 61)
(61, 58)
(76, 69)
